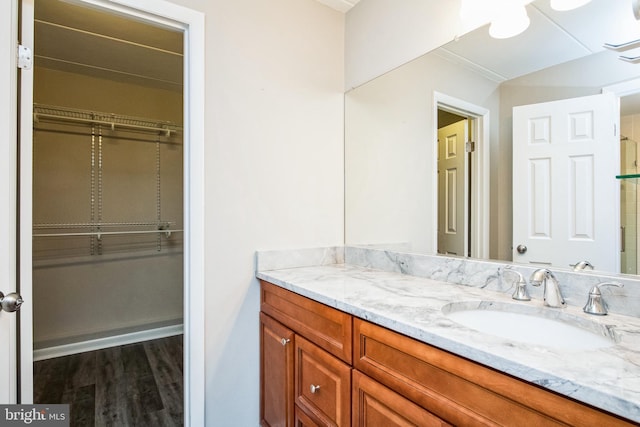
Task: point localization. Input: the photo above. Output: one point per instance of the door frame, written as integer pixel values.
(8, 196)
(192, 23)
(480, 171)
(629, 87)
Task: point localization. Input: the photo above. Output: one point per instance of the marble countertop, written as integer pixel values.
(607, 378)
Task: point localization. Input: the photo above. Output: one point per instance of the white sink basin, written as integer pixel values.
(532, 325)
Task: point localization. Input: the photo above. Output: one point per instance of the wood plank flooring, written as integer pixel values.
(132, 385)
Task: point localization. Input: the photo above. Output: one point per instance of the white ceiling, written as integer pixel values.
(553, 37)
(341, 5)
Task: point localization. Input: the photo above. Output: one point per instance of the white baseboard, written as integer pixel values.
(100, 343)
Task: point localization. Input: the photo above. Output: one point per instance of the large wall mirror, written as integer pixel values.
(430, 146)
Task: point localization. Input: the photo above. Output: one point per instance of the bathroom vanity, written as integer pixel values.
(345, 344)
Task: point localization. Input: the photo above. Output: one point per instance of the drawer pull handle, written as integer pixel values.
(314, 388)
(285, 341)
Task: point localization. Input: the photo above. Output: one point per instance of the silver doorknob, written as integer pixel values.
(10, 302)
(521, 249)
(314, 388)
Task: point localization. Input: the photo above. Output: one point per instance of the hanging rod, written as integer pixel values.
(162, 225)
(49, 112)
(99, 234)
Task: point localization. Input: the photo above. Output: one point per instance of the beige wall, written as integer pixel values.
(389, 150)
(384, 34)
(82, 290)
(274, 169)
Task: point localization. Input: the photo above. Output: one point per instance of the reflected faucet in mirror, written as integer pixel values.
(583, 265)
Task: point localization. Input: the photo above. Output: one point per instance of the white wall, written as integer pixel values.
(274, 169)
(389, 150)
(384, 34)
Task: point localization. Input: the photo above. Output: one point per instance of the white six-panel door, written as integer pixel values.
(565, 194)
(452, 189)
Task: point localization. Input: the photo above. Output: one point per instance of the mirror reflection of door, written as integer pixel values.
(452, 184)
(564, 187)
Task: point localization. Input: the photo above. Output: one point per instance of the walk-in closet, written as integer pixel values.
(107, 211)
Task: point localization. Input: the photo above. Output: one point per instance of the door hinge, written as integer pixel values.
(470, 146)
(25, 57)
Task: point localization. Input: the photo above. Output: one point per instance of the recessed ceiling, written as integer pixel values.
(341, 5)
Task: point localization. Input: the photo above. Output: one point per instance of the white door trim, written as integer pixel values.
(25, 209)
(193, 24)
(480, 200)
(8, 195)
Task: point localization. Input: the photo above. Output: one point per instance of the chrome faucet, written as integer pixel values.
(595, 304)
(552, 295)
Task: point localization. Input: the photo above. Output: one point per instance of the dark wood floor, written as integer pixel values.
(131, 385)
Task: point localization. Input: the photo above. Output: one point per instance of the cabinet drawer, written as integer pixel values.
(303, 420)
(375, 405)
(326, 327)
(322, 385)
(460, 391)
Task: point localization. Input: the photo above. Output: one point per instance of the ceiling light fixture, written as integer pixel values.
(563, 5)
(509, 18)
(511, 21)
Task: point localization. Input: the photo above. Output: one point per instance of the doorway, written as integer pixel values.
(191, 23)
(107, 175)
(454, 179)
(465, 150)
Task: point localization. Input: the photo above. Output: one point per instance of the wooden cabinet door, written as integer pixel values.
(276, 373)
(375, 405)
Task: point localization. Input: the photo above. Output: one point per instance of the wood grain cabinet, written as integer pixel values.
(323, 367)
(276, 373)
(313, 387)
(461, 391)
(375, 405)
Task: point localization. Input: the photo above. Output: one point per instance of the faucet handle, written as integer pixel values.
(595, 304)
(521, 293)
